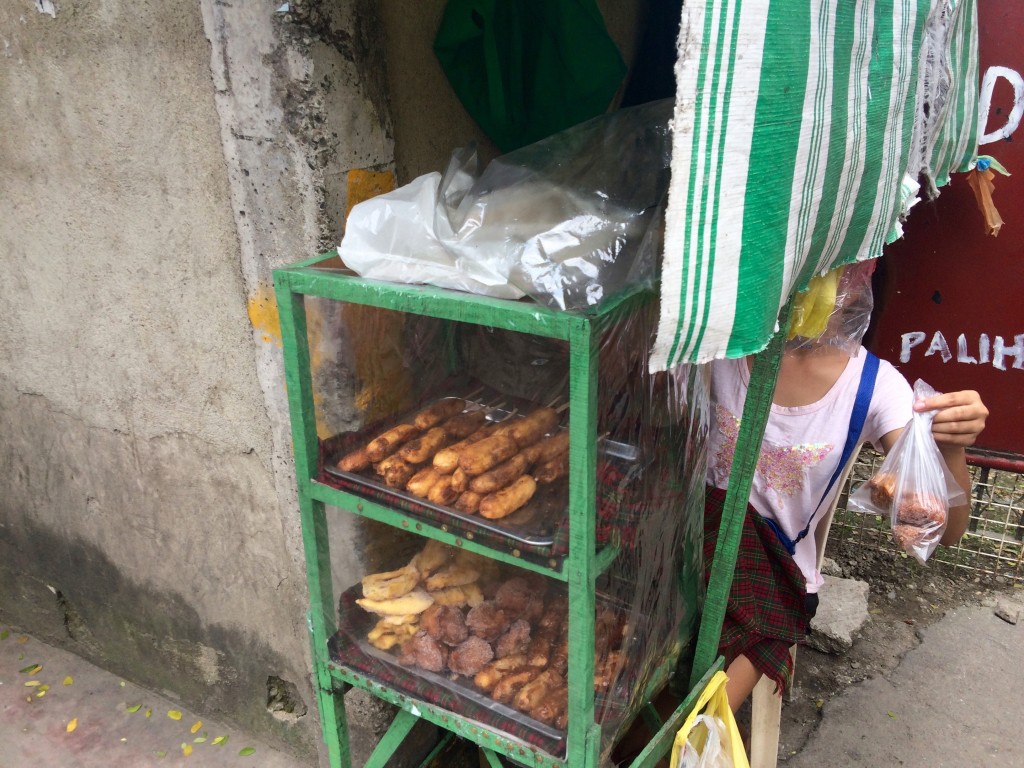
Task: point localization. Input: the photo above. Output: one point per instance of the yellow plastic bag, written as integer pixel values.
(709, 737)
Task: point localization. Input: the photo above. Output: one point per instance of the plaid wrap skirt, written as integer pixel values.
(766, 612)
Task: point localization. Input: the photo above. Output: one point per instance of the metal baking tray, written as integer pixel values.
(535, 524)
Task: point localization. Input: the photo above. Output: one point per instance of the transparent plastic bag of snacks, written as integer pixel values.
(913, 486)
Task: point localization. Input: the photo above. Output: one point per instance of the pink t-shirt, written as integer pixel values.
(802, 445)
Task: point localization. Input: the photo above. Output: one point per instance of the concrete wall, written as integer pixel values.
(159, 158)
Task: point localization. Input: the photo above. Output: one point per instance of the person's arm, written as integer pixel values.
(960, 419)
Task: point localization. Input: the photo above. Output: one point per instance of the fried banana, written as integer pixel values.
(447, 459)
(423, 448)
(395, 471)
(416, 601)
(386, 444)
(489, 676)
(438, 412)
(450, 596)
(502, 475)
(390, 584)
(552, 446)
(384, 627)
(460, 480)
(462, 425)
(354, 461)
(508, 686)
(529, 430)
(489, 452)
(503, 503)
(531, 694)
(552, 469)
(442, 492)
(420, 484)
(468, 502)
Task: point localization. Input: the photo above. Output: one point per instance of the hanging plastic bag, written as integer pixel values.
(709, 737)
(914, 487)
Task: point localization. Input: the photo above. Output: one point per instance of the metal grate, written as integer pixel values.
(994, 542)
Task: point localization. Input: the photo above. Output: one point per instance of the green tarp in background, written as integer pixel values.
(525, 69)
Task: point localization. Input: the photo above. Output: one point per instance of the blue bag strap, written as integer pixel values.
(857, 418)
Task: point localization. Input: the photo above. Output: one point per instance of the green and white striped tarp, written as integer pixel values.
(801, 128)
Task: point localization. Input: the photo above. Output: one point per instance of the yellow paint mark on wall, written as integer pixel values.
(263, 314)
(362, 185)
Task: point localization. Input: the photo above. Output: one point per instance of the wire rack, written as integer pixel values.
(992, 547)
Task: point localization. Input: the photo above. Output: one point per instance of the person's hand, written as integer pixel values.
(960, 418)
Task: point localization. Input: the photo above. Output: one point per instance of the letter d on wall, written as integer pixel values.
(985, 103)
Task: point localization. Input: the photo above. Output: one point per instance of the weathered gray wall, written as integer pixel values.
(159, 158)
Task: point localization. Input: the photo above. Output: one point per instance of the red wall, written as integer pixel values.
(948, 277)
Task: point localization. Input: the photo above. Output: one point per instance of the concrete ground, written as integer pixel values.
(953, 701)
(37, 708)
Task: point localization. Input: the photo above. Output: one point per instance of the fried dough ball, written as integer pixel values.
(513, 596)
(470, 656)
(921, 509)
(908, 536)
(423, 651)
(487, 621)
(882, 487)
(514, 641)
(444, 623)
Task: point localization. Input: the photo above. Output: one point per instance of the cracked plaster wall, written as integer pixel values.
(159, 159)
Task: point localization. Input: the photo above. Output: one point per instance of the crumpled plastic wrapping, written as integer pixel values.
(835, 309)
(650, 468)
(568, 221)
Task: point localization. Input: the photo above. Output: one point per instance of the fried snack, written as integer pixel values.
(508, 686)
(463, 425)
(468, 502)
(423, 448)
(606, 670)
(400, 619)
(421, 650)
(460, 480)
(444, 623)
(442, 492)
(386, 642)
(395, 471)
(529, 430)
(457, 574)
(502, 475)
(416, 601)
(383, 629)
(420, 484)
(474, 596)
(513, 596)
(538, 652)
(384, 445)
(489, 676)
(451, 596)
(531, 694)
(882, 486)
(469, 657)
(503, 503)
(354, 461)
(438, 412)
(552, 469)
(434, 555)
(554, 616)
(390, 584)
(562, 721)
(552, 446)
(487, 621)
(447, 459)
(553, 705)
(514, 641)
(489, 452)
(908, 536)
(921, 509)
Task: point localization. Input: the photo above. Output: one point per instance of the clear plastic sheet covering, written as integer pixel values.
(567, 221)
(439, 617)
(835, 310)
